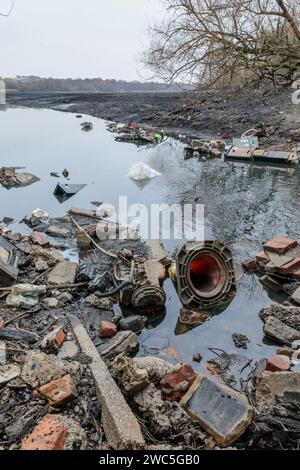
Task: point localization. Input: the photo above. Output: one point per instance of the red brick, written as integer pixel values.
(39, 239)
(262, 257)
(59, 392)
(177, 382)
(291, 266)
(277, 364)
(249, 265)
(2, 323)
(280, 245)
(53, 340)
(107, 329)
(49, 434)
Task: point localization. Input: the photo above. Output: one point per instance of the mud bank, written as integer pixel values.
(204, 114)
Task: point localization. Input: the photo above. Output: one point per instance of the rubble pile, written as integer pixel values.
(69, 378)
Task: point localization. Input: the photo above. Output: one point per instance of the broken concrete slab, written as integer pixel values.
(121, 427)
(271, 384)
(280, 332)
(63, 273)
(9, 372)
(122, 342)
(69, 349)
(220, 410)
(40, 369)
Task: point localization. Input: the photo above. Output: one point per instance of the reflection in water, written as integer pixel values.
(245, 204)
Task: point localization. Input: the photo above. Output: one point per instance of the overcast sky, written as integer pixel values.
(75, 38)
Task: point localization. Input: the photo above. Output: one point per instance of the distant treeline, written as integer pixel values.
(89, 85)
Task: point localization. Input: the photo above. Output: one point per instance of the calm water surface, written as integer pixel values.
(244, 205)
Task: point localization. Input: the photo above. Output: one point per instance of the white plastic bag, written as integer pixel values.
(140, 172)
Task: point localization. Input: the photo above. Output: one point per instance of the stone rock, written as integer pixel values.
(59, 392)
(125, 342)
(69, 349)
(101, 303)
(280, 245)
(49, 434)
(277, 364)
(41, 265)
(65, 298)
(271, 384)
(128, 376)
(50, 302)
(51, 256)
(151, 406)
(197, 357)
(41, 368)
(107, 329)
(284, 351)
(177, 382)
(55, 231)
(63, 273)
(240, 341)
(9, 372)
(134, 323)
(52, 341)
(221, 411)
(279, 331)
(156, 367)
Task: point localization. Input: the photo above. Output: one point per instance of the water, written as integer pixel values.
(244, 205)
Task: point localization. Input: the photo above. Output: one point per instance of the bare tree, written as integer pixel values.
(216, 41)
(12, 4)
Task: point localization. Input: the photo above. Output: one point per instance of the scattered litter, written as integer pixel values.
(9, 178)
(63, 192)
(140, 171)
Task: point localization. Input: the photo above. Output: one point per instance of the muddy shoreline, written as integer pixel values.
(204, 114)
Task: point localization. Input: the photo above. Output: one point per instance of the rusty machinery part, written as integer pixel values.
(146, 278)
(205, 275)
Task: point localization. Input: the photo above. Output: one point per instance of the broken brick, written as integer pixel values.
(107, 329)
(39, 239)
(291, 267)
(280, 245)
(59, 392)
(2, 323)
(53, 340)
(177, 382)
(277, 364)
(262, 257)
(49, 434)
(249, 265)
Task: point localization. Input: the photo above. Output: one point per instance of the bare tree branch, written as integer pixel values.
(10, 10)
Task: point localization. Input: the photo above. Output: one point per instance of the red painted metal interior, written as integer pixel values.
(205, 273)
